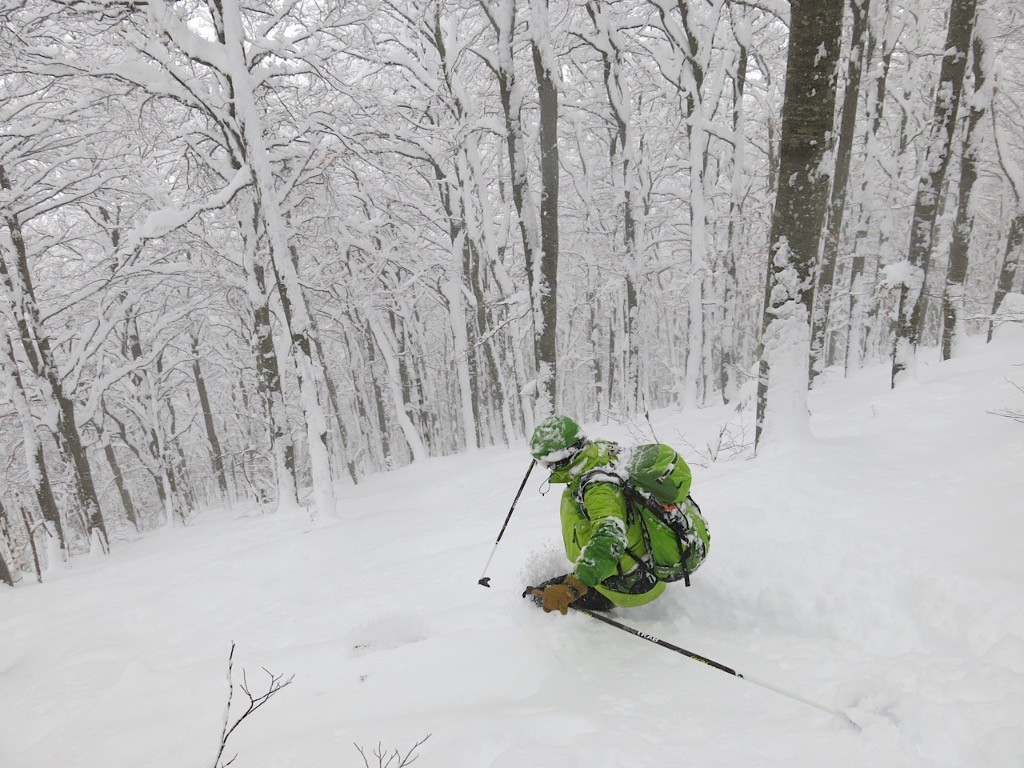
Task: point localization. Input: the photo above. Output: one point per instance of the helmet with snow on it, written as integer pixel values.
(556, 441)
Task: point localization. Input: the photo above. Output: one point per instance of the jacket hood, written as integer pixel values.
(594, 454)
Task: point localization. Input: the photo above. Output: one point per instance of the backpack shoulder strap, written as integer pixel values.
(598, 475)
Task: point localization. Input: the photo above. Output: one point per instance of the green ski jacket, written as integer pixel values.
(600, 539)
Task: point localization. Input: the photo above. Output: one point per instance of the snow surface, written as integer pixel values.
(873, 568)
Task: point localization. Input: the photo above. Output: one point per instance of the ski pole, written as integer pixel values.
(485, 581)
(716, 665)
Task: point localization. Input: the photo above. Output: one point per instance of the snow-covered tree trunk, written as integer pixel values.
(695, 363)
(731, 310)
(145, 403)
(386, 343)
(1010, 265)
(867, 198)
(216, 452)
(58, 408)
(837, 201)
(451, 289)
(953, 330)
(6, 576)
(267, 367)
(912, 302)
(629, 192)
(807, 120)
(250, 121)
(118, 477)
(502, 16)
(545, 68)
(35, 457)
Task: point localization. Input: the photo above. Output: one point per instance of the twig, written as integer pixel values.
(403, 760)
(255, 702)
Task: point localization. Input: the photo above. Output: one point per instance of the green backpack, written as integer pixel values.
(657, 487)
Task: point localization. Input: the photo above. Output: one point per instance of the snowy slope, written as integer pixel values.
(873, 569)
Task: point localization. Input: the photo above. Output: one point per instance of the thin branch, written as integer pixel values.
(380, 754)
(255, 702)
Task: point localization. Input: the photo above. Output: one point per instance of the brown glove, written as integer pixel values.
(558, 597)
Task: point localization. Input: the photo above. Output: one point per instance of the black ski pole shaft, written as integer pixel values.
(484, 579)
(716, 665)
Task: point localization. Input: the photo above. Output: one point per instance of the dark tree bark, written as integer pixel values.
(40, 476)
(807, 119)
(30, 530)
(119, 483)
(911, 310)
(268, 380)
(622, 161)
(502, 17)
(335, 403)
(5, 571)
(876, 107)
(547, 288)
(730, 291)
(1011, 261)
(216, 453)
(6, 576)
(956, 273)
(163, 476)
(38, 352)
(840, 182)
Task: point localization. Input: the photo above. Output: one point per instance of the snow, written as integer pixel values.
(873, 567)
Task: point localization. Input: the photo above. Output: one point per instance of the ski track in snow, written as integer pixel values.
(872, 568)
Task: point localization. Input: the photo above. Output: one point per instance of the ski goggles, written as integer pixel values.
(562, 458)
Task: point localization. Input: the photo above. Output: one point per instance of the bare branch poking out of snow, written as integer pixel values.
(275, 684)
(1011, 413)
(385, 759)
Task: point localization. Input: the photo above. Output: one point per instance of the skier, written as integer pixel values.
(608, 532)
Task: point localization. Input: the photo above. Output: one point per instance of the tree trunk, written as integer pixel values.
(249, 119)
(335, 402)
(1011, 261)
(624, 166)
(216, 454)
(147, 393)
(385, 342)
(451, 290)
(35, 457)
(122, 489)
(39, 355)
(547, 285)
(912, 304)
(731, 309)
(956, 273)
(502, 16)
(6, 577)
(840, 181)
(807, 119)
(867, 195)
(268, 375)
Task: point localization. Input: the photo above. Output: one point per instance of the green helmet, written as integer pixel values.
(556, 439)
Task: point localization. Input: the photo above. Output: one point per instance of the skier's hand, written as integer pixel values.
(558, 597)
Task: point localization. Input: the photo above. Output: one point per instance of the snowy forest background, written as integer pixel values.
(249, 250)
